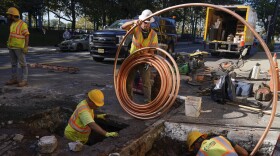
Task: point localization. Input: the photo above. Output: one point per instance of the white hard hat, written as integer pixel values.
(145, 14)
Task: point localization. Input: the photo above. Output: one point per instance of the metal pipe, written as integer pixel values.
(268, 54)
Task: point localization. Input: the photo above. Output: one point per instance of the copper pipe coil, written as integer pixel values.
(267, 51)
(163, 101)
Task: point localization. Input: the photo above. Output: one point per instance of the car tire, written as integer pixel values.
(170, 48)
(79, 47)
(98, 59)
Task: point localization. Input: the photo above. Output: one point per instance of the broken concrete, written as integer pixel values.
(47, 144)
(75, 146)
(18, 137)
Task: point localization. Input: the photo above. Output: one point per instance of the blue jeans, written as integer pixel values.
(18, 57)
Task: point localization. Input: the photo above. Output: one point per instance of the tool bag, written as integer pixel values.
(223, 89)
(263, 93)
(244, 89)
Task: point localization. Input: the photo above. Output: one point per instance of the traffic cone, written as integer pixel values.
(277, 73)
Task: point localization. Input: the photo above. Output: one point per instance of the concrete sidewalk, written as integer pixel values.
(34, 50)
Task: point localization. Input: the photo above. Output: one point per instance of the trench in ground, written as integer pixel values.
(169, 139)
(55, 120)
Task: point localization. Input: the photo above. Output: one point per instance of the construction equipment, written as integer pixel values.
(226, 34)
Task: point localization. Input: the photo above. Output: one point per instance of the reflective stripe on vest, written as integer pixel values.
(16, 38)
(217, 146)
(75, 116)
(138, 39)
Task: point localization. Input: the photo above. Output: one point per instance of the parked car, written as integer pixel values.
(104, 43)
(76, 43)
(3, 20)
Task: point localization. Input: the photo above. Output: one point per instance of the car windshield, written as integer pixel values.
(117, 24)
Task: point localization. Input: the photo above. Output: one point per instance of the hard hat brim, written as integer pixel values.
(141, 17)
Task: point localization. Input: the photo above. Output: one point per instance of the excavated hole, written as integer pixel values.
(169, 147)
(55, 120)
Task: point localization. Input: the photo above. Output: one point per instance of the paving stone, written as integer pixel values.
(47, 144)
(18, 137)
(75, 146)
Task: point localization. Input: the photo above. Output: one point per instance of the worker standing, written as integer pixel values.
(143, 36)
(204, 145)
(18, 47)
(66, 35)
(82, 121)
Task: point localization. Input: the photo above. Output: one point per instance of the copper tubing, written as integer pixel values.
(268, 54)
(170, 82)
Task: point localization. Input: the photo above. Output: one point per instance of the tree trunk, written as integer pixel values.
(184, 20)
(73, 14)
(29, 20)
(271, 28)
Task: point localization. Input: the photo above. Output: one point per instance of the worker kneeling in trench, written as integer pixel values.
(203, 144)
(82, 121)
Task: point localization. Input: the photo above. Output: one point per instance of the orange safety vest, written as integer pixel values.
(217, 146)
(139, 42)
(75, 122)
(17, 35)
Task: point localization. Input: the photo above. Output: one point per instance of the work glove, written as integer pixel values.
(112, 134)
(101, 116)
(25, 50)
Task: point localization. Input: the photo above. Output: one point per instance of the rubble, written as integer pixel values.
(18, 137)
(47, 144)
(3, 137)
(10, 122)
(75, 146)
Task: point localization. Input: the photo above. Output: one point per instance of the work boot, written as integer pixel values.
(11, 82)
(22, 83)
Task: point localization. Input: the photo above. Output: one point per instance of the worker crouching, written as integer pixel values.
(82, 121)
(206, 145)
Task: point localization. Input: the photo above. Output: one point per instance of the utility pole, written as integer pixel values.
(271, 26)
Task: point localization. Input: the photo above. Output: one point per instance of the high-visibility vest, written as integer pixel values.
(139, 42)
(18, 31)
(217, 146)
(75, 121)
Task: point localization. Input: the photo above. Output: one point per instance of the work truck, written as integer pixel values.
(104, 43)
(226, 34)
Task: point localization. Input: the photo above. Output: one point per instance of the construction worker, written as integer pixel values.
(204, 145)
(18, 47)
(82, 121)
(143, 36)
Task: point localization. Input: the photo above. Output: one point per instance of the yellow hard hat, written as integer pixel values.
(192, 137)
(13, 11)
(97, 97)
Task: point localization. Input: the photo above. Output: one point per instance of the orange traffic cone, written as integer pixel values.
(277, 73)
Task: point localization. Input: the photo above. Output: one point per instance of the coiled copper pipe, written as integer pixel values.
(170, 81)
(268, 54)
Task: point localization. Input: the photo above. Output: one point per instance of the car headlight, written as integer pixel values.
(120, 37)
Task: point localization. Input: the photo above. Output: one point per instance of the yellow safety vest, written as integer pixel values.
(75, 129)
(18, 31)
(139, 42)
(217, 146)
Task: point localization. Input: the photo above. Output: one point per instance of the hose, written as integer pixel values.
(238, 17)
